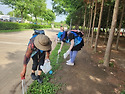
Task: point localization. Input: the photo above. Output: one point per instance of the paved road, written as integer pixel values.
(12, 50)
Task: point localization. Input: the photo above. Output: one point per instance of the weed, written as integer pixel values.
(122, 92)
(47, 87)
(101, 61)
(111, 64)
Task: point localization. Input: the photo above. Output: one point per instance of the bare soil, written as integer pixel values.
(90, 77)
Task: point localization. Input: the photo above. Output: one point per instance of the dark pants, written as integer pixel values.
(38, 60)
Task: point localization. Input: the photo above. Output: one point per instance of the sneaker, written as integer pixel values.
(71, 64)
(39, 80)
(68, 61)
(33, 76)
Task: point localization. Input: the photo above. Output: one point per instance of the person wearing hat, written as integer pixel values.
(38, 49)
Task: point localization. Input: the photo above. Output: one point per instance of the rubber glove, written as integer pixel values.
(59, 51)
(66, 54)
(47, 60)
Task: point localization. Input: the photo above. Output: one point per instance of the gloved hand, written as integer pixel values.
(47, 60)
(59, 51)
(66, 54)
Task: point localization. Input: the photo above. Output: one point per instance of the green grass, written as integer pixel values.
(18, 30)
(47, 87)
(15, 30)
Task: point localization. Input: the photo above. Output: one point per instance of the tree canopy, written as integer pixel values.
(36, 8)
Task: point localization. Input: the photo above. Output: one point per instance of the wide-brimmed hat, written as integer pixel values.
(42, 42)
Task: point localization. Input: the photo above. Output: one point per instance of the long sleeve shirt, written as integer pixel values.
(29, 51)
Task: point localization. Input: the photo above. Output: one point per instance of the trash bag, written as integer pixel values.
(46, 67)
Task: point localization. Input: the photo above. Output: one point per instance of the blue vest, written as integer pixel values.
(35, 52)
(77, 39)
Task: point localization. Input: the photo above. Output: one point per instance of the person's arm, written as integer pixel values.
(62, 43)
(26, 60)
(47, 54)
(72, 44)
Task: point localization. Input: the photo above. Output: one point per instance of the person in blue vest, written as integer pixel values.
(38, 49)
(74, 37)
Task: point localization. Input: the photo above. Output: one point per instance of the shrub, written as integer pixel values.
(12, 26)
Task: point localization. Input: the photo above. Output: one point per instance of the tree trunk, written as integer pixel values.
(70, 24)
(106, 35)
(84, 18)
(36, 19)
(87, 32)
(111, 34)
(99, 26)
(22, 16)
(90, 21)
(120, 25)
(93, 23)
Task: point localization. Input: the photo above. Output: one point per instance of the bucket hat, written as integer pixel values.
(42, 42)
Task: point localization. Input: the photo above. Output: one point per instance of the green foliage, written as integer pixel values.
(49, 15)
(58, 24)
(14, 30)
(36, 8)
(122, 92)
(47, 87)
(11, 26)
(111, 64)
(74, 9)
(101, 61)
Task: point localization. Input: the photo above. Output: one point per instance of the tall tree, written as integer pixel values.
(49, 15)
(17, 4)
(119, 29)
(37, 8)
(84, 23)
(111, 34)
(93, 23)
(107, 23)
(90, 20)
(99, 26)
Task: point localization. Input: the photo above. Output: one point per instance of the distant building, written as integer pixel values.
(4, 17)
(9, 19)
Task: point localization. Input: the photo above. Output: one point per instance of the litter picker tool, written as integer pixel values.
(57, 59)
(24, 90)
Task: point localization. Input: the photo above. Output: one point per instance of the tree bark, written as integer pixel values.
(106, 35)
(84, 24)
(22, 16)
(120, 25)
(36, 19)
(99, 26)
(90, 21)
(111, 34)
(93, 23)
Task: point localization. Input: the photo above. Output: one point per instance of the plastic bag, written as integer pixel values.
(66, 54)
(46, 67)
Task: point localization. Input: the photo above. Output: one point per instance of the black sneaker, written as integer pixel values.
(33, 76)
(40, 80)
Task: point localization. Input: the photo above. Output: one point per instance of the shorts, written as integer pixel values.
(38, 60)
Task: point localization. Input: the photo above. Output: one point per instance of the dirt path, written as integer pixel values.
(85, 77)
(12, 50)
